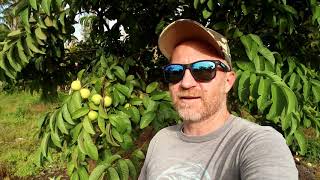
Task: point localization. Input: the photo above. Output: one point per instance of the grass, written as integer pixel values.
(19, 113)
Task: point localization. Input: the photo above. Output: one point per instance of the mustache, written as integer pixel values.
(193, 93)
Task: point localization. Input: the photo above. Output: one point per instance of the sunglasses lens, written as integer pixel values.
(203, 71)
(173, 73)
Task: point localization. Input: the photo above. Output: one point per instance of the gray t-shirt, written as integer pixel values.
(238, 150)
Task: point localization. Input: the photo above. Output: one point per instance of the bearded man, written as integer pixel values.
(211, 143)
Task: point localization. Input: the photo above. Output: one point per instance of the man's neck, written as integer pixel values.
(206, 126)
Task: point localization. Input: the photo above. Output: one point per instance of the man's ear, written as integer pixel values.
(230, 79)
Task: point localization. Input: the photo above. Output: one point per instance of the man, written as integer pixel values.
(211, 144)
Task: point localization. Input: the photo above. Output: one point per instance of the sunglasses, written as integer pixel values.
(202, 71)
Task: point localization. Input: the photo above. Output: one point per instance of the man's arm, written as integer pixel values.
(267, 156)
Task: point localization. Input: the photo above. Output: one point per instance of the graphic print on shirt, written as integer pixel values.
(184, 171)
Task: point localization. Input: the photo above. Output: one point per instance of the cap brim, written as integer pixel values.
(183, 30)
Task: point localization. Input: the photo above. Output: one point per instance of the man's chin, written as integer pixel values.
(189, 115)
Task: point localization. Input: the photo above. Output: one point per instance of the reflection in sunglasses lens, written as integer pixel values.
(203, 71)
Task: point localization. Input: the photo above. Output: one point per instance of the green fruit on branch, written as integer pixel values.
(107, 101)
(96, 99)
(76, 85)
(85, 93)
(93, 115)
(127, 105)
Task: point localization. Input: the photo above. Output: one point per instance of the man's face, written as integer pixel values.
(196, 101)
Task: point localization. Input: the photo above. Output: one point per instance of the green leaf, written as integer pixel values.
(62, 17)
(113, 174)
(87, 125)
(298, 134)
(259, 63)
(265, 52)
(151, 87)
(127, 143)
(246, 41)
(206, 14)
(277, 103)
(146, 119)
(290, 9)
(306, 122)
(116, 134)
(132, 169)
(158, 95)
(10, 56)
(315, 82)
(135, 114)
(21, 53)
(81, 143)
(44, 144)
(282, 24)
(316, 93)
(40, 34)
(74, 176)
(294, 80)
(42, 119)
(263, 91)
(294, 122)
(245, 65)
(120, 121)
(31, 46)
(306, 89)
(66, 115)
(25, 17)
(33, 4)
(102, 124)
(75, 102)
(46, 5)
(123, 169)
(256, 39)
(102, 112)
(196, 3)
(48, 22)
(290, 97)
(210, 5)
(292, 64)
(243, 86)
(80, 74)
(61, 124)
(119, 72)
(59, 3)
(138, 154)
(14, 33)
(123, 89)
(83, 174)
(75, 132)
(55, 139)
(98, 171)
(80, 112)
(90, 147)
(244, 9)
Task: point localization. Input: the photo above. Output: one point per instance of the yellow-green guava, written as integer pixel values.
(76, 85)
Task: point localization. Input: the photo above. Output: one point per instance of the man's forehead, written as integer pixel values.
(195, 47)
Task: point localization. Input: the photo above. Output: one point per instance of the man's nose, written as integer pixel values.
(188, 81)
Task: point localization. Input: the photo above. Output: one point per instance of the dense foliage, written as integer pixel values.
(275, 52)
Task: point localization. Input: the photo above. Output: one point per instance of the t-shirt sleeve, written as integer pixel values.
(144, 171)
(267, 156)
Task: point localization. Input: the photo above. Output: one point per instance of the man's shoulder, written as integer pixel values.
(255, 132)
(169, 131)
(252, 127)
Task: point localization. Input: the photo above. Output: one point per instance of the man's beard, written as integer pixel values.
(204, 109)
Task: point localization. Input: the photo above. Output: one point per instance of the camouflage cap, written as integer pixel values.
(186, 29)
